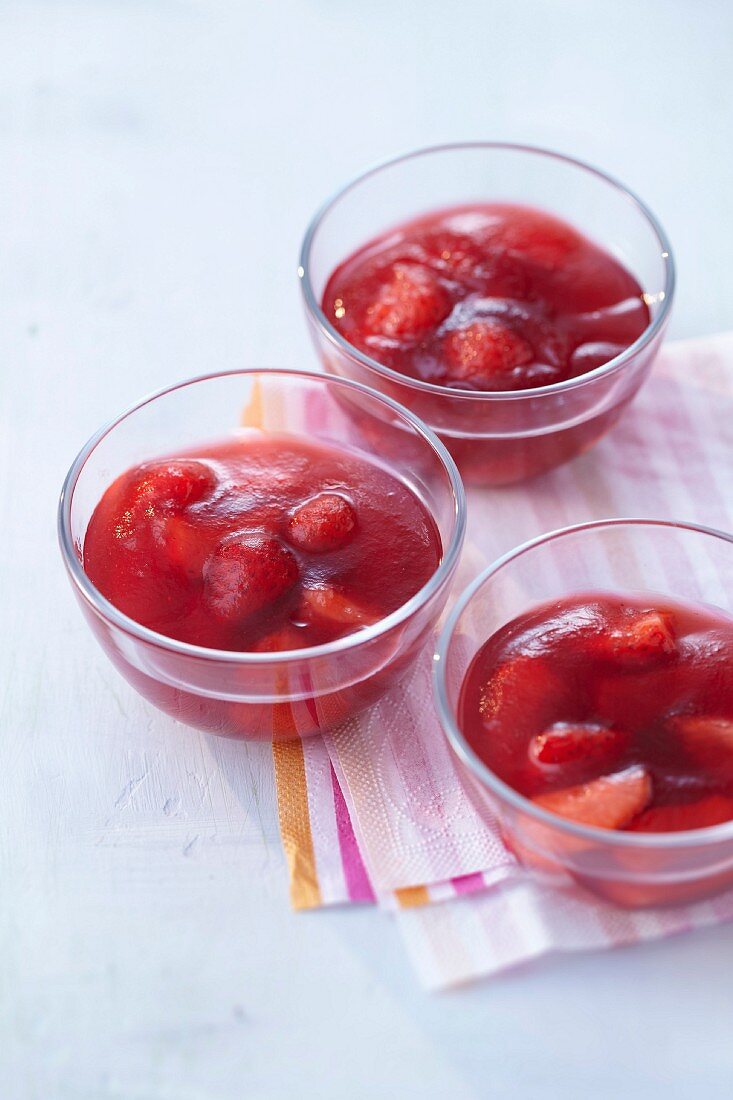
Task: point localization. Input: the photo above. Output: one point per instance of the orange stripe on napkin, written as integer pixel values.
(295, 829)
(409, 897)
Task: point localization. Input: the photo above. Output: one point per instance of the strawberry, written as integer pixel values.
(247, 572)
(610, 802)
(621, 322)
(173, 485)
(140, 500)
(484, 352)
(522, 693)
(641, 638)
(712, 810)
(708, 740)
(325, 522)
(517, 700)
(408, 305)
(464, 257)
(577, 742)
(589, 356)
(455, 254)
(536, 237)
(326, 602)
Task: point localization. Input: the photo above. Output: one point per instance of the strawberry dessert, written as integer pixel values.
(610, 711)
(489, 297)
(262, 544)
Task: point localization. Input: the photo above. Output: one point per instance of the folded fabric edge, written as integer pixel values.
(324, 862)
(325, 865)
(422, 892)
(487, 934)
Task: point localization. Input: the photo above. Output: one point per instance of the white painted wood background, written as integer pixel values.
(158, 164)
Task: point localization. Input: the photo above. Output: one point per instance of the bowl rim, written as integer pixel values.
(488, 778)
(107, 611)
(655, 327)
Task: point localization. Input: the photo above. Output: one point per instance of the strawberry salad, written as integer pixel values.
(486, 297)
(611, 711)
(262, 544)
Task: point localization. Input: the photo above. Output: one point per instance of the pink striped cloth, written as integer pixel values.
(375, 811)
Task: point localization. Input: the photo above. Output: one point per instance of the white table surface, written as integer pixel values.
(158, 164)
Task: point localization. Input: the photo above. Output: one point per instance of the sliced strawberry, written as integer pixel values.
(484, 351)
(712, 810)
(708, 740)
(610, 802)
(578, 742)
(246, 573)
(641, 638)
(326, 602)
(408, 305)
(325, 522)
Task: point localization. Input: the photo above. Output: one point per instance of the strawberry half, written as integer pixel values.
(173, 485)
(536, 237)
(642, 638)
(575, 743)
(610, 802)
(636, 698)
(594, 354)
(325, 522)
(455, 254)
(521, 696)
(246, 573)
(713, 810)
(408, 305)
(708, 740)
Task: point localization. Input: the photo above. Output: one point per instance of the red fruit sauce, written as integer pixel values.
(486, 297)
(614, 711)
(263, 544)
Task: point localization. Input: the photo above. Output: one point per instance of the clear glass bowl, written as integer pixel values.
(265, 696)
(673, 559)
(496, 438)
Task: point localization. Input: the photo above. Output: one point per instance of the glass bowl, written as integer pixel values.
(265, 696)
(496, 437)
(677, 560)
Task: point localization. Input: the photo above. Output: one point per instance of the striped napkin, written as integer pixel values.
(374, 810)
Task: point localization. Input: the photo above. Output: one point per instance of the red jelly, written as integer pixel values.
(490, 297)
(611, 711)
(263, 544)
